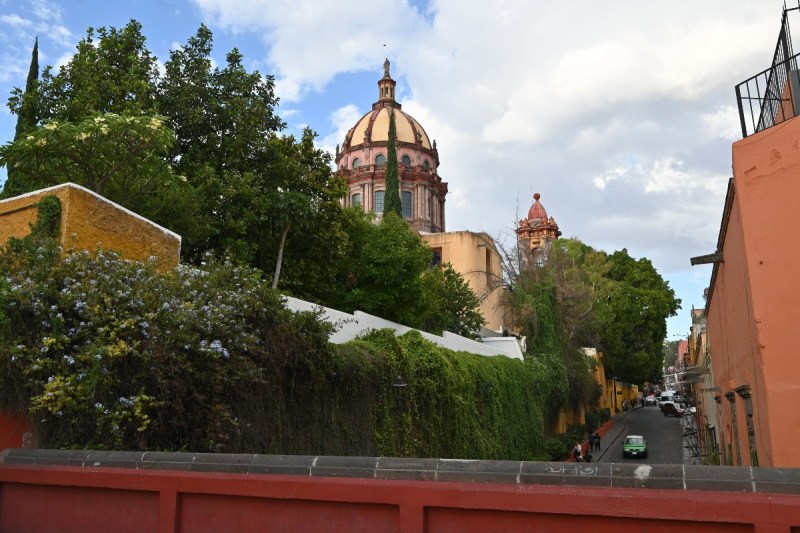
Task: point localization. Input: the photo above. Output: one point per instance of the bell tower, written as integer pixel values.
(537, 232)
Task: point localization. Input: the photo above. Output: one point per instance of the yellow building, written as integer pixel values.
(475, 256)
(90, 222)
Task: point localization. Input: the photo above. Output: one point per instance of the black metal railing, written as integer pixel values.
(770, 97)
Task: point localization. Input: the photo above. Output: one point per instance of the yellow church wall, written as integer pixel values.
(475, 257)
(90, 222)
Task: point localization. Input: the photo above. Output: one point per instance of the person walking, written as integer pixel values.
(576, 452)
(597, 442)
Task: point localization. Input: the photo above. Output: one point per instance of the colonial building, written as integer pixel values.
(362, 161)
(752, 306)
(536, 232)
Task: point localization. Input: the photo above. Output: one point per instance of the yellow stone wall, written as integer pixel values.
(475, 257)
(90, 222)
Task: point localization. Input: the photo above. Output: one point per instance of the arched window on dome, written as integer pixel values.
(378, 202)
(426, 165)
(405, 202)
(380, 160)
(406, 161)
(356, 162)
(356, 199)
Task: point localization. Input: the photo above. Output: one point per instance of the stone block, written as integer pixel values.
(287, 465)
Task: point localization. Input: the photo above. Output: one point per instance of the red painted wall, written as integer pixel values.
(71, 499)
(12, 430)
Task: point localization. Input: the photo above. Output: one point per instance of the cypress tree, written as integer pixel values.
(27, 119)
(391, 201)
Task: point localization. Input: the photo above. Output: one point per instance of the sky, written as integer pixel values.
(620, 114)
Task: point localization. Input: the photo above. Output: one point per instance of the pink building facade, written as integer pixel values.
(753, 305)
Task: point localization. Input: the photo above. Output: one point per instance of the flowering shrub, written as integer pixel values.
(108, 353)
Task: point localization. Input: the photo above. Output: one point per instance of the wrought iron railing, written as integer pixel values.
(770, 97)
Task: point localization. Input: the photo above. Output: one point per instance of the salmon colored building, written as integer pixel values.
(753, 305)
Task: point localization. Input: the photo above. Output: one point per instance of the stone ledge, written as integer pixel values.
(618, 475)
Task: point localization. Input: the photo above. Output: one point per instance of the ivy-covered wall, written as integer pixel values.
(102, 352)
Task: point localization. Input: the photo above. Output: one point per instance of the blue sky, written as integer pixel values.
(620, 114)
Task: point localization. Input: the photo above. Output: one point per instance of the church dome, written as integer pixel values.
(377, 123)
(366, 142)
(363, 156)
(537, 210)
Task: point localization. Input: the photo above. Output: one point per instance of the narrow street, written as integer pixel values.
(663, 435)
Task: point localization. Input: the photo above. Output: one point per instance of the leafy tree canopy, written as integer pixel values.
(584, 297)
(220, 131)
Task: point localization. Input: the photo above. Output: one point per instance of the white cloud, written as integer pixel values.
(310, 41)
(46, 11)
(15, 20)
(723, 123)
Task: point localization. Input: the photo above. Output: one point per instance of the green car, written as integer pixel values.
(634, 446)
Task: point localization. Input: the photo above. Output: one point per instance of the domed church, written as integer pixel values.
(362, 161)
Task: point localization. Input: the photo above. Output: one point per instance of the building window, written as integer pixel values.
(378, 201)
(380, 160)
(426, 165)
(356, 199)
(406, 161)
(356, 162)
(436, 260)
(405, 201)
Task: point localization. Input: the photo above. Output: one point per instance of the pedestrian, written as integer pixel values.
(576, 452)
(597, 442)
(591, 442)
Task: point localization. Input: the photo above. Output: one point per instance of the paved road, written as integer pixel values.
(663, 434)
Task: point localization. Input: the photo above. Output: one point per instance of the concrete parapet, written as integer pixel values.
(669, 477)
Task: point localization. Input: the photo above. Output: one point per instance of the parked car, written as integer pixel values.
(671, 408)
(634, 446)
(666, 396)
(650, 400)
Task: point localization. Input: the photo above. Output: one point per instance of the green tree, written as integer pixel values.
(254, 185)
(383, 274)
(27, 118)
(110, 72)
(449, 303)
(392, 202)
(119, 157)
(632, 319)
(227, 145)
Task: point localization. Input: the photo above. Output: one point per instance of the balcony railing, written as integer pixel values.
(770, 97)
